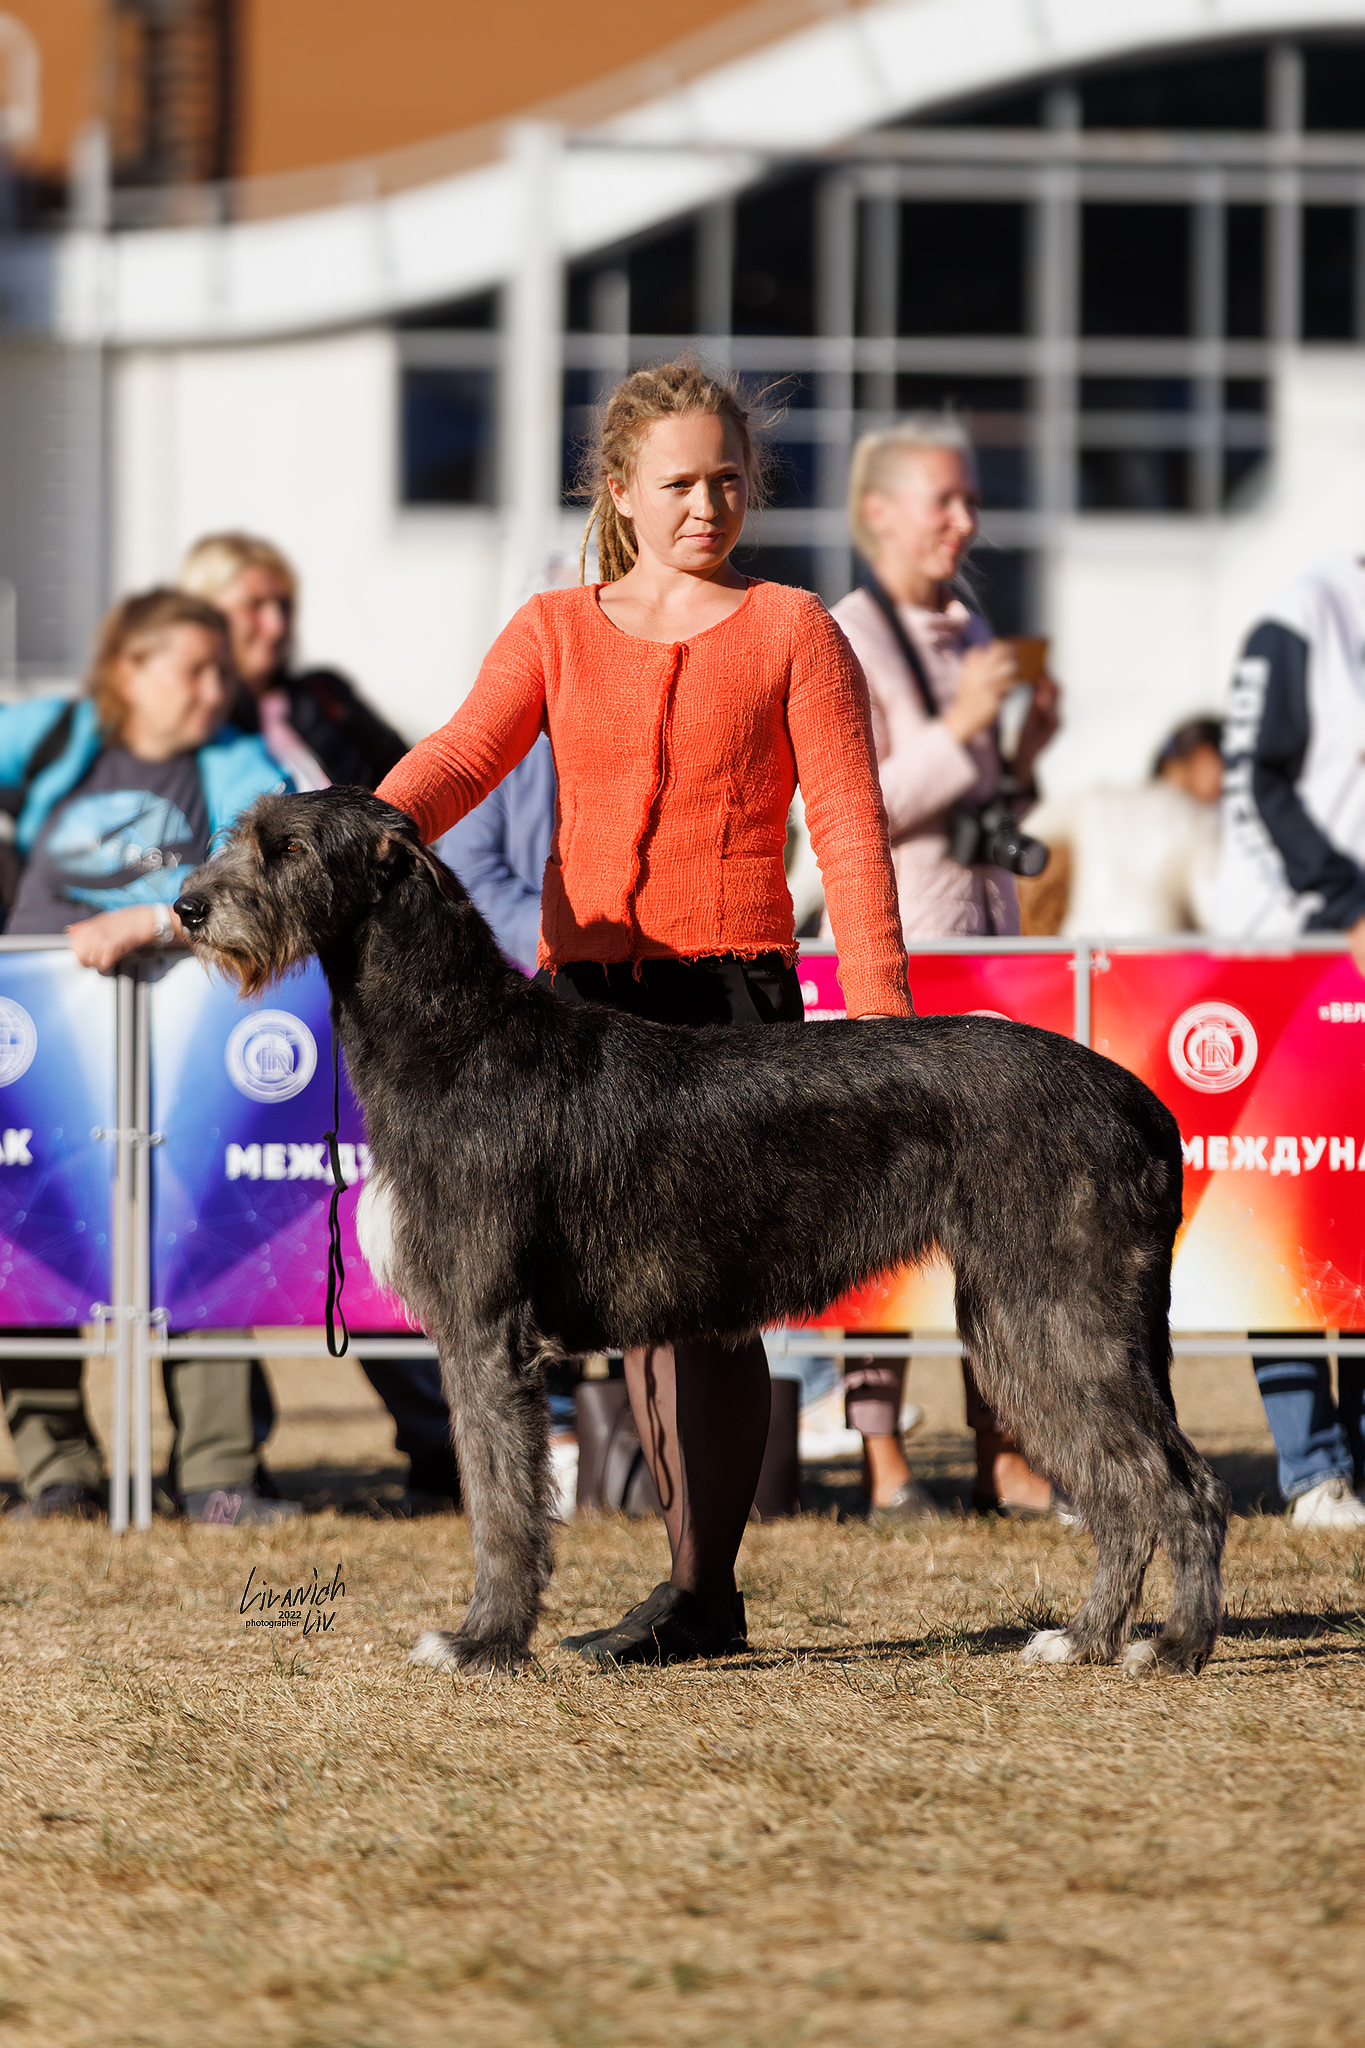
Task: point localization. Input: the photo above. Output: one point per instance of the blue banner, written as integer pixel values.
(57, 1086)
(241, 1094)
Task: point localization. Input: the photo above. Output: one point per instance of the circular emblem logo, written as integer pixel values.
(270, 1056)
(18, 1040)
(1212, 1047)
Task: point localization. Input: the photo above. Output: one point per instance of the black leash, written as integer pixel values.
(336, 1264)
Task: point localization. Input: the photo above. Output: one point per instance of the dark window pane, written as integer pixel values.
(791, 474)
(795, 566)
(999, 110)
(480, 312)
(662, 283)
(1134, 480)
(1244, 394)
(961, 269)
(1244, 471)
(1004, 475)
(998, 583)
(1328, 273)
(774, 275)
(944, 393)
(580, 428)
(1226, 90)
(1135, 394)
(449, 437)
(1334, 86)
(1244, 246)
(1135, 270)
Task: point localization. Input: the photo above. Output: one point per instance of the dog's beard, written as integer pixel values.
(253, 972)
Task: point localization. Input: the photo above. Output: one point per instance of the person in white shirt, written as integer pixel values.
(1293, 860)
(1133, 863)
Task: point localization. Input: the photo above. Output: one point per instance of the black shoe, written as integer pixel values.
(670, 1627)
(65, 1502)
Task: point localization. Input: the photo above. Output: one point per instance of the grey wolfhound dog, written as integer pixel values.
(550, 1179)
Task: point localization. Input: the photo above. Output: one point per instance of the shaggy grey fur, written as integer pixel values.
(563, 1178)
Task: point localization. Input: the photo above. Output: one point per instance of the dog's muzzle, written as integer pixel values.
(193, 912)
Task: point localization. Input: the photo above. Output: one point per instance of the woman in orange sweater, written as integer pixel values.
(684, 701)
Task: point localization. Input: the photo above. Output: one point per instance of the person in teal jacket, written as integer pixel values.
(112, 802)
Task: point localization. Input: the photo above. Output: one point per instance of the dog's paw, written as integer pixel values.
(438, 1650)
(1049, 1646)
(1162, 1654)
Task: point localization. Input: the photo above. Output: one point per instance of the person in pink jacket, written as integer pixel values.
(913, 508)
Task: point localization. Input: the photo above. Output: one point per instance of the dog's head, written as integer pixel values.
(297, 875)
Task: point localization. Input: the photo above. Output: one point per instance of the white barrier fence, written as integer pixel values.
(127, 1101)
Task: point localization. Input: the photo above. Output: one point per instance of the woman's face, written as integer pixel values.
(259, 607)
(928, 519)
(688, 493)
(176, 694)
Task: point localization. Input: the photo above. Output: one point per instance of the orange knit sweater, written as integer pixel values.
(677, 762)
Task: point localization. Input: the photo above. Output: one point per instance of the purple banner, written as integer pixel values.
(57, 1086)
(241, 1094)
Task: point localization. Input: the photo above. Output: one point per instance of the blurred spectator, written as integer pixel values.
(1133, 863)
(314, 722)
(117, 799)
(938, 681)
(320, 730)
(499, 851)
(1293, 860)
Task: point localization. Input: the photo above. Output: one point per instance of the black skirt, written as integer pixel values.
(719, 989)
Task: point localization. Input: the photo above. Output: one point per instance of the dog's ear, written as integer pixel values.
(396, 856)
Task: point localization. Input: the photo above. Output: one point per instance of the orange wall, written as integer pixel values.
(69, 38)
(326, 80)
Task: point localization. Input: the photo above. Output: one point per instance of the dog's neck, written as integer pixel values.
(422, 976)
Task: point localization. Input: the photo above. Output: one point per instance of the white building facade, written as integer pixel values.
(1123, 240)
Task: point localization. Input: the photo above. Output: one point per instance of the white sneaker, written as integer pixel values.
(1328, 1505)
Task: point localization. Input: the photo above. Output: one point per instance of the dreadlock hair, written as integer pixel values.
(665, 391)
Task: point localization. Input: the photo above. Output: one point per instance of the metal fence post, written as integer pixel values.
(124, 1092)
(1081, 966)
(142, 1258)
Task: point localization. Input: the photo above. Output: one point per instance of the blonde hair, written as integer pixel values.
(219, 558)
(666, 391)
(877, 458)
(132, 631)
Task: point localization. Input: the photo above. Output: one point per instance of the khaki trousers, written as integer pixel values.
(221, 1410)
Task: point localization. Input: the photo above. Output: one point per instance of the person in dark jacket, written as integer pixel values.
(320, 730)
(315, 723)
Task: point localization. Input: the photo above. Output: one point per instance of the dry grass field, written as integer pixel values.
(875, 1827)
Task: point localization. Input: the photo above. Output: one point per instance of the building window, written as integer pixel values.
(1330, 236)
(448, 403)
(1135, 270)
(962, 269)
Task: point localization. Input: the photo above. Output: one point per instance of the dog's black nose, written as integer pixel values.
(192, 911)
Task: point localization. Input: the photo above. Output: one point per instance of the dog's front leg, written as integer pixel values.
(497, 1397)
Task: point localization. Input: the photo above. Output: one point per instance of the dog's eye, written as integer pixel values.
(293, 846)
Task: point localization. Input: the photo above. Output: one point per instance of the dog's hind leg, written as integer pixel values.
(1192, 1525)
(495, 1388)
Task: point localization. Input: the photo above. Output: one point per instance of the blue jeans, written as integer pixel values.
(1315, 1437)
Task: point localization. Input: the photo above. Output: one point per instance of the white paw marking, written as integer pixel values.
(1139, 1660)
(432, 1651)
(375, 1229)
(1048, 1646)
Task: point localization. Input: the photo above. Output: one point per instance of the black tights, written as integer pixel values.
(703, 1421)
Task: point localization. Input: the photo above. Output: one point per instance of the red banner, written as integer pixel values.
(1261, 1061)
(1031, 988)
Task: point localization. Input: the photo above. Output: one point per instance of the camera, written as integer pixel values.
(989, 835)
